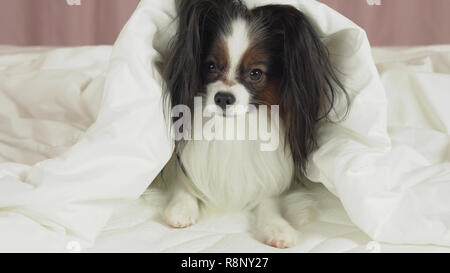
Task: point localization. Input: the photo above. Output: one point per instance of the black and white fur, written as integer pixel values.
(269, 55)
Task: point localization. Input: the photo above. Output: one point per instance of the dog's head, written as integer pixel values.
(235, 57)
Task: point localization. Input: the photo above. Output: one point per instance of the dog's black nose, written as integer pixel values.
(223, 99)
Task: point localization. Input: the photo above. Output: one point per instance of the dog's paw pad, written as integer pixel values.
(279, 235)
(181, 215)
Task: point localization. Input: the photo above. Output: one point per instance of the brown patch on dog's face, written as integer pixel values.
(216, 64)
(255, 72)
(265, 90)
(271, 93)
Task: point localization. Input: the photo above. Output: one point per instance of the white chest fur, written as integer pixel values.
(237, 174)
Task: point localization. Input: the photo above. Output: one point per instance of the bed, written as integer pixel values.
(331, 231)
(142, 229)
(82, 135)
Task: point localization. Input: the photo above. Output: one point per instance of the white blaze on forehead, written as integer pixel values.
(238, 42)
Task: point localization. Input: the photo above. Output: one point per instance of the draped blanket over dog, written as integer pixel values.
(78, 143)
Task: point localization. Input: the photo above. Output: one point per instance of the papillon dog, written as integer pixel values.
(234, 57)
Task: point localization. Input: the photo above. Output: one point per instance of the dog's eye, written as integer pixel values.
(212, 68)
(256, 75)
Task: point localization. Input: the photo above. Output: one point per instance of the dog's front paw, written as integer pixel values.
(280, 235)
(181, 214)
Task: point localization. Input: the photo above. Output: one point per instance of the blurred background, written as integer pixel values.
(94, 22)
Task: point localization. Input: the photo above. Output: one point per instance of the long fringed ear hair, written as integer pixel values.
(198, 24)
(309, 84)
(182, 63)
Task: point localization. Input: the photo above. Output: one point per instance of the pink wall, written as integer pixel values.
(54, 22)
(399, 22)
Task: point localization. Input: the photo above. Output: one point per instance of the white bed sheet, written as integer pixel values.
(139, 228)
(49, 97)
(332, 231)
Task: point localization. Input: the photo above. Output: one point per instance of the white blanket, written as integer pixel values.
(79, 141)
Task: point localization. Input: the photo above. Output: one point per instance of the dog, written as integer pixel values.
(240, 60)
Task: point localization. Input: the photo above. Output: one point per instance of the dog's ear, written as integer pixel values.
(199, 22)
(309, 84)
(182, 63)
